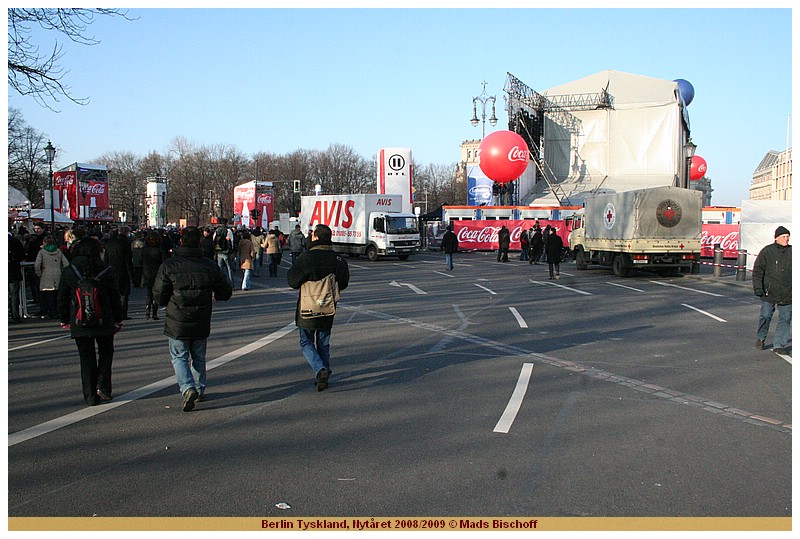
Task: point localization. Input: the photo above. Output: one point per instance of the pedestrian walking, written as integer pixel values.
(297, 242)
(537, 245)
(274, 252)
(524, 243)
(449, 246)
(223, 247)
(772, 282)
(48, 266)
(257, 238)
(93, 317)
(504, 242)
(152, 255)
(553, 249)
(16, 254)
(186, 284)
(119, 255)
(315, 264)
(246, 257)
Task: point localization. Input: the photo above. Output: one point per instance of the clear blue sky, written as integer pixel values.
(277, 80)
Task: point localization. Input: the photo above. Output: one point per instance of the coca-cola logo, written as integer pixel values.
(264, 198)
(728, 242)
(518, 154)
(96, 189)
(487, 234)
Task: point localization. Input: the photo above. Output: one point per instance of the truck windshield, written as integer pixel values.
(401, 225)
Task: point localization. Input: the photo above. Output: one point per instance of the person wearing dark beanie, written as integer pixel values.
(772, 282)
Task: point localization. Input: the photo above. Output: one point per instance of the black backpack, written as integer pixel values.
(89, 312)
(221, 240)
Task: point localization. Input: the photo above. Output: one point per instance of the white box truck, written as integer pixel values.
(657, 229)
(363, 224)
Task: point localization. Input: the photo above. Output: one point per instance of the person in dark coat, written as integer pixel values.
(16, 254)
(187, 283)
(537, 245)
(119, 255)
(772, 282)
(553, 248)
(95, 364)
(152, 256)
(314, 264)
(504, 241)
(449, 246)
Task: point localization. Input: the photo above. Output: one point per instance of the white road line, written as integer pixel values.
(488, 290)
(85, 413)
(562, 286)
(445, 274)
(785, 357)
(411, 286)
(510, 413)
(37, 343)
(689, 289)
(520, 320)
(625, 286)
(717, 318)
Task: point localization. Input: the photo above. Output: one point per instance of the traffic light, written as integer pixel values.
(297, 186)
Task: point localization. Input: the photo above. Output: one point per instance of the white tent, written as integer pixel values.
(633, 145)
(44, 215)
(17, 199)
(759, 220)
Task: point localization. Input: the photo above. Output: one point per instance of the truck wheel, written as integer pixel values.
(618, 266)
(580, 259)
(372, 253)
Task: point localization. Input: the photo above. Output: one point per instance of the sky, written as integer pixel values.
(278, 80)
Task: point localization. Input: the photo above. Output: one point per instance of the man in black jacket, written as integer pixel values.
(315, 333)
(449, 246)
(119, 255)
(772, 282)
(186, 284)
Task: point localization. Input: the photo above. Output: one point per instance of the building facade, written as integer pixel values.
(772, 179)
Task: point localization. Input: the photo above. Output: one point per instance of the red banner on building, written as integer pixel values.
(482, 235)
(727, 236)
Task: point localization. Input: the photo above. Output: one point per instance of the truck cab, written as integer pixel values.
(392, 234)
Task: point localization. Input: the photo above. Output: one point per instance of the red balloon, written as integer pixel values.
(698, 168)
(504, 156)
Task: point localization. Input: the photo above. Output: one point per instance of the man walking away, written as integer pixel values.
(504, 239)
(187, 283)
(449, 246)
(315, 264)
(772, 282)
(119, 255)
(223, 245)
(553, 247)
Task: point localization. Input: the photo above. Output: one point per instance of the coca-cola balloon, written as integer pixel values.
(504, 156)
(698, 168)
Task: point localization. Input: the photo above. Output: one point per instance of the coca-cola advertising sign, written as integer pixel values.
(85, 199)
(726, 236)
(483, 235)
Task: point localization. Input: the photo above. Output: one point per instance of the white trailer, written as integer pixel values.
(364, 224)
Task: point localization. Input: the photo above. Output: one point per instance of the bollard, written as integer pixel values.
(741, 265)
(718, 256)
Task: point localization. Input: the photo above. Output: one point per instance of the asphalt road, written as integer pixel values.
(486, 390)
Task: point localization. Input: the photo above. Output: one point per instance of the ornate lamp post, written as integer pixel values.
(51, 154)
(689, 148)
(483, 99)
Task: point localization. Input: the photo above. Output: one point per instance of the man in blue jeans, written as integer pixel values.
(772, 282)
(187, 283)
(315, 333)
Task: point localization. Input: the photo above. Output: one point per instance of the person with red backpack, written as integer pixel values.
(90, 305)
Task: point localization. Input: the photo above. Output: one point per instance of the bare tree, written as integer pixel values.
(126, 184)
(36, 72)
(27, 163)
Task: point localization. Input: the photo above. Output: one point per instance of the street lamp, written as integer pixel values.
(51, 154)
(483, 99)
(689, 148)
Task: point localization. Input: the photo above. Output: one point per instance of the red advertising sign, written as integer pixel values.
(246, 198)
(727, 236)
(83, 194)
(482, 235)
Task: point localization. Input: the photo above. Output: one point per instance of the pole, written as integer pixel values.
(52, 208)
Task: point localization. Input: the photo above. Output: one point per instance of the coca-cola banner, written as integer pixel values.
(83, 194)
(727, 236)
(482, 235)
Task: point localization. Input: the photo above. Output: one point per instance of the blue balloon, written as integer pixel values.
(686, 90)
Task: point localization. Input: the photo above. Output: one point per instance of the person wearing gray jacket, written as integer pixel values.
(772, 282)
(297, 242)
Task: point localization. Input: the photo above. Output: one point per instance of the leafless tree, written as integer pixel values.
(128, 178)
(34, 69)
(28, 168)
